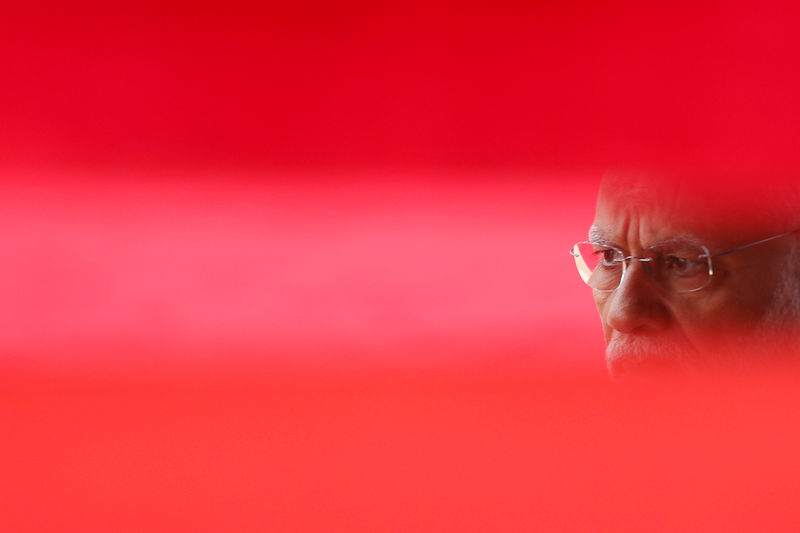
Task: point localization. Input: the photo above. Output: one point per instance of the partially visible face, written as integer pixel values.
(649, 328)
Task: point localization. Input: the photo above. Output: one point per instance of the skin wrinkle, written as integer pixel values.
(747, 315)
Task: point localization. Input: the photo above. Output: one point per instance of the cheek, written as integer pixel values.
(709, 317)
(742, 293)
(601, 302)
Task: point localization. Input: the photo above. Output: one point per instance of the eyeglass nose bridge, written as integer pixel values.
(627, 259)
(641, 259)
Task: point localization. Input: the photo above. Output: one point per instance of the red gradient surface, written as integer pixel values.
(303, 267)
(400, 270)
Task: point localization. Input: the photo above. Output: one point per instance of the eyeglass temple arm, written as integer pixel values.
(726, 252)
(584, 271)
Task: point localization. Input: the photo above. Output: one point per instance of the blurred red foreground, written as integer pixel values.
(392, 452)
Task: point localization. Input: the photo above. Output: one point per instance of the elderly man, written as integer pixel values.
(693, 275)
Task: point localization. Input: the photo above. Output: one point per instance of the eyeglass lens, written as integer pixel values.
(678, 268)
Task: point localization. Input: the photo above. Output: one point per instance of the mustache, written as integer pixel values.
(630, 355)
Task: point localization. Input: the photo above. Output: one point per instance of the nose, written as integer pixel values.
(637, 306)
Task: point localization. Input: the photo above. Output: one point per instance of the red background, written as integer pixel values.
(304, 267)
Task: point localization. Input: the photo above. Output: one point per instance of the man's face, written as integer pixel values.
(648, 327)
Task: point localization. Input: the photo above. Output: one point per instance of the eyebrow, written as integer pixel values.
(595, 234)
(598, 235)
(683, 238)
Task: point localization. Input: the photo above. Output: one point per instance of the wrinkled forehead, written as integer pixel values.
(723, 208)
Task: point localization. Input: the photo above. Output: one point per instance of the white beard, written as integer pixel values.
(643, 355)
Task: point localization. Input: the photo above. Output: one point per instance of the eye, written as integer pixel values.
(608, 257)
(684, 266)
